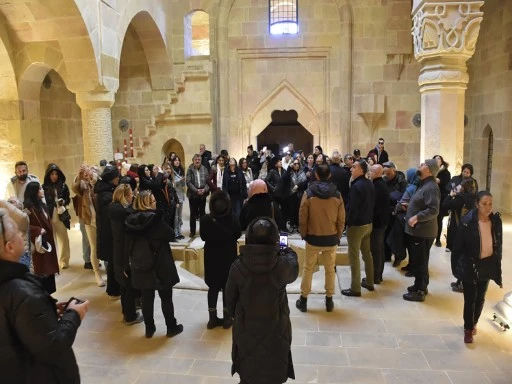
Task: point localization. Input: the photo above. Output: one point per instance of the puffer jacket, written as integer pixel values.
(256, 298)
(117, 215)
(466, 249)
(151, 225)
(36, 346)
(322, 214)
(59, 189)
(105, 244)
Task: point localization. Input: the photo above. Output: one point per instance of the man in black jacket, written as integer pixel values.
(206, 156)
(359, 228)
(253, 161)
(380, 221)
(339, 175)
(35, 334)
(421, 226)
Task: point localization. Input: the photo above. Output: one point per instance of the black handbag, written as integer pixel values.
(65, 217)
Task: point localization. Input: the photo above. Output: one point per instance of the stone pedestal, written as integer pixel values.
(96, 125)
(445, 35)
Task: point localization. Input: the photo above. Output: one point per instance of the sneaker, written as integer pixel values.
(302, 304)
(438, 243)
(329, 304)
(138, 319)
(468, 336)
(418, 296)
(175, 331)
(88, 265)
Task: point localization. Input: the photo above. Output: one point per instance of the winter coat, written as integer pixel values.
(59, 189)
(166, 201)
(274, 182)
(467, 248)
(17, 190)
(34, 344)
(205, 159)
(105, 243)
(339, 177)
(229, 178)
(444, 182)
(45, 264)
(256, 298)
(193, 185)
(86, 200)
(397, 187)
(253, 162)
(383, 158)
(292, 179)
(261, 205)
(361, 201)
(220, 232)
(456, 181)
(117, 215)
(380, 208)
(151, 226)
(322, 214)
(425, 205)
(212, 178)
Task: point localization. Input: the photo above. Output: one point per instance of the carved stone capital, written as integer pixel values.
(93, 100)
(446, 29)
(437, 78)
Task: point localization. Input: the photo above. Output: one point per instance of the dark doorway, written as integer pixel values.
(285, 129)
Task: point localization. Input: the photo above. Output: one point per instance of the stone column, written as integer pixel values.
(96, 125)
(445, 35)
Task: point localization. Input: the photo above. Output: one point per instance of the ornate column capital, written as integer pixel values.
(448, 28)
(93, 99)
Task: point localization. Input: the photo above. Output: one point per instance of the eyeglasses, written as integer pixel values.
(381, 142)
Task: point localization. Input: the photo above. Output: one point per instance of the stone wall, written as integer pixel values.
(489, 102)
(61, 126)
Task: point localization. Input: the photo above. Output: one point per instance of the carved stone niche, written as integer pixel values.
(371, 108)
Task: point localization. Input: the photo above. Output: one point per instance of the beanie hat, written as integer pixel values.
(257, 186)
(262, 230)
(220, 204)
(109, 173)
(432, 166)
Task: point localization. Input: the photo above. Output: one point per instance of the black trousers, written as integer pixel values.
(197, 210)
(377, 249)
(419, 253)
(293, 209)
(113, 287)
(128, 295)
(148, 303)
(213, 295)
(474, 299)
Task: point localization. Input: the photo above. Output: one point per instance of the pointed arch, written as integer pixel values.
(286, 97)
(154, 46)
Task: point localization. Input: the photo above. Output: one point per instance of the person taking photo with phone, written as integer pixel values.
(36, 334)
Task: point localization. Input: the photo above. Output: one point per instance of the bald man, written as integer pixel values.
(380, 221)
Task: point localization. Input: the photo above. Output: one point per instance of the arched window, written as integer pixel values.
(283, 17)
(197, 34)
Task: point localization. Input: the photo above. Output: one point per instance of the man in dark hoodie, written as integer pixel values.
(321, 223)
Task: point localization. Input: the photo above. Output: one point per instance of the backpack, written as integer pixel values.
(140, 254)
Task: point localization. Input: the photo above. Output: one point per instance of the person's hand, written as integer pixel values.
(453, 193)
(177, 205)
(61, 308)
(81, 309)
(200, 192)
(413, 221)
(43, 231)
(437, 180)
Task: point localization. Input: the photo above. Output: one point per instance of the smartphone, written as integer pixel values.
(78, 301)
(283, 240)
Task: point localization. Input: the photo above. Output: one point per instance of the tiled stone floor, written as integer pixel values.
(378, 338)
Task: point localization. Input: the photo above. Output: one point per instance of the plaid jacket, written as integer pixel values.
(192, 184)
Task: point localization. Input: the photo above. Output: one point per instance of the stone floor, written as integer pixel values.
(378, 338)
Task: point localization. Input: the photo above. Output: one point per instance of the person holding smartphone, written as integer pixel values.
(36, 335)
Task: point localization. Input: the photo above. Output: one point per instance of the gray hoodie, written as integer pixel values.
(425, 204)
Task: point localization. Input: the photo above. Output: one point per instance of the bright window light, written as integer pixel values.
(283, 17)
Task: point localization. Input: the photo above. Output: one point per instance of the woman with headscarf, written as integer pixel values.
(220, 231)
(260, 204)
(44, 256)
(256, 298)
(56, 193)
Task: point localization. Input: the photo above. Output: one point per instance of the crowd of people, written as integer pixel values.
(128, 216)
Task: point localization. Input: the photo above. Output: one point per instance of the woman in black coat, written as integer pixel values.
(220, 231)
(260, 204)
(256, 298)
(478, 251)
(118, 211)
(151, 261)
(234, 184)
(36, 335)
(104, 190)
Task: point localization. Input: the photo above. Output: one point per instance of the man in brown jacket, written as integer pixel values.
(321, 223)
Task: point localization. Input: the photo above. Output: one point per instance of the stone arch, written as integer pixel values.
(173, 145)
(153, 43)
(10, 132)
(286, 97)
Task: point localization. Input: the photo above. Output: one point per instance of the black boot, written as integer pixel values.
(150, 330)
(302, 304)
(329, 305)
(214, 320)
(228, 321)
